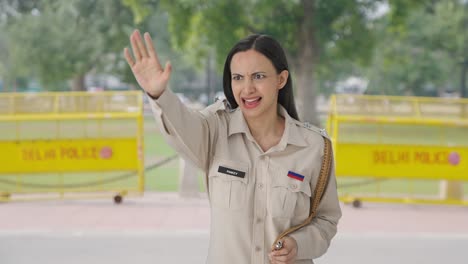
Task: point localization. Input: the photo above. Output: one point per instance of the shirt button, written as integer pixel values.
(259, 220)
(257, 248)
(260, 186)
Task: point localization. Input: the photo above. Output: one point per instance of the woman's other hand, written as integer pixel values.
(145, 65)
(286, 255)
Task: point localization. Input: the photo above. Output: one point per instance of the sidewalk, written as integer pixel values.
(168, 212)
(164, 228)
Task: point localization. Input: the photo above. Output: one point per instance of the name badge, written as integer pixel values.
(231, 172)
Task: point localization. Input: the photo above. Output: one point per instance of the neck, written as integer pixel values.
(266, 125)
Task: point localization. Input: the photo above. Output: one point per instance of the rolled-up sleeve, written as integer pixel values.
(313, 240)
(190, 132)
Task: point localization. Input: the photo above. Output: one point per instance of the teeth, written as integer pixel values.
(251, 100)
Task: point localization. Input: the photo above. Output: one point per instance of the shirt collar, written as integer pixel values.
(291, 134)
(237, 123)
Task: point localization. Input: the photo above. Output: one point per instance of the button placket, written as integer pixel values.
(260, 210)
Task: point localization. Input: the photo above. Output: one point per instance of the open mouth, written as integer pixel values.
(251, 102)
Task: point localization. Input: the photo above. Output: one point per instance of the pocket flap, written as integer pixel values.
(292, 184)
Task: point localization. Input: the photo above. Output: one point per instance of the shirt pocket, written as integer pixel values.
(289, 197)
(228, 181)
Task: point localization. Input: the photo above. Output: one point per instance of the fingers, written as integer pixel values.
(135, 46)
(167, 70)
(128, 57)
(281, 252)
(285, 255)
(149, 43)
(151, 51)
(142, 50)
(138, 47)
(141, 45)
(283, 259)
(280, 256)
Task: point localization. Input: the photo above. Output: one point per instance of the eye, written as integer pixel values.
(258, 76)
(236, 77)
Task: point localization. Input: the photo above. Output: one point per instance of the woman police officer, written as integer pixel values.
(261, 162)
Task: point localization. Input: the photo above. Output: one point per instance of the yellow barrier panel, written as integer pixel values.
(398, 149)
(71, 143)
(408, 161)
(69, 155)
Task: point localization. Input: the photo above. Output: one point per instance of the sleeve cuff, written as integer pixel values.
(165, 100)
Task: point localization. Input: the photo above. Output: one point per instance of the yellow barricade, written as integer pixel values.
(400, 149)
(71, 145)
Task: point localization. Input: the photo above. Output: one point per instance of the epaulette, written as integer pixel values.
(220, 105)
(311, 127)
(225, 103)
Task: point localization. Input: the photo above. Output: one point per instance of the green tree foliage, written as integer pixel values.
(422, 55)
(12, 8)
(8, 10)
(314, 32)
(62, 40)
(140, 8)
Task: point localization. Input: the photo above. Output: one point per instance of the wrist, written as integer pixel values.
(154, 97)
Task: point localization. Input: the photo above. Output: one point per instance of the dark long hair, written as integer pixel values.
(271, 49)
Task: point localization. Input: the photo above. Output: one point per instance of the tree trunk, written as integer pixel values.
(78, 83)
(308, 55)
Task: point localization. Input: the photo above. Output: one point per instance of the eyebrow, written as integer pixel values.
(251, 74)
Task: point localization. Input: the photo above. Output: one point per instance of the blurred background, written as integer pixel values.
(369, 47)
(387, 78)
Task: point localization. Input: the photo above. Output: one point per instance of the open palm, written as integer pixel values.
(145, 65)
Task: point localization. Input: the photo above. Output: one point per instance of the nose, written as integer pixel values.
(249, 86)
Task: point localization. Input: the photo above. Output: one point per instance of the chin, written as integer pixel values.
(252, 113)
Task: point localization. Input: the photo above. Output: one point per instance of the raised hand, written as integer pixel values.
(146, 66)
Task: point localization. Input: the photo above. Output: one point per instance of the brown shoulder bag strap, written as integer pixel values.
(318, 193)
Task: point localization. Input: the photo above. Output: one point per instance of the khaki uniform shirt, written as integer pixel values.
(252, 198)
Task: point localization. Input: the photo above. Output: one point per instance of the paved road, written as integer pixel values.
(164, 228)
(191, 247)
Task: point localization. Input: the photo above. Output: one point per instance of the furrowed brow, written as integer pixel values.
(260, 72)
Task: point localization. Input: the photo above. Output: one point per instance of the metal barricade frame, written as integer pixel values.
(394, 138)
(67, 145)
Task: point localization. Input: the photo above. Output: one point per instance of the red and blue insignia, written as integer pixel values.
(296, 176)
